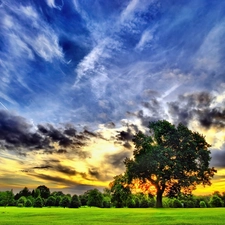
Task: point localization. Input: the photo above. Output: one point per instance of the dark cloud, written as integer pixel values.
(94, 173)
(197, 106)
(58, 180)
(16, 132)
(218, 157)
(116, 160)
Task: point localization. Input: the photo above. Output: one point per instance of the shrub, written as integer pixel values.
(106, 202)
(177, 203)
(50, 201)
(216, 201)
(38, 202)
(131, 202)
(144, 203)
(22, 200)
(202, 204)
(65, 201)
(20, 205)
(189, 204)
(28, 203)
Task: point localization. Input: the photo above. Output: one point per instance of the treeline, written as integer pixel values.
(42, 197)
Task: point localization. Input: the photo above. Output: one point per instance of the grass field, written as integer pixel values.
(94, 216)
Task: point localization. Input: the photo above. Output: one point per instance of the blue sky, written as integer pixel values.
(76, 74)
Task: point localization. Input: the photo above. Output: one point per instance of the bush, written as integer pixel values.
(177, 203)
(22, 200)
(131, 202)
(20, 205)
(144, 203)
(202, 204)
(216, 201)
(28, 203)
(189, 204)
(50, 201)
(151, 202)
(38, 202)
(65, 202)
(106, 202)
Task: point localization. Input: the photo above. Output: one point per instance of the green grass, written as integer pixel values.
(95, 216)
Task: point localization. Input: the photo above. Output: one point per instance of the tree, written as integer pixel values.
(65, 201)
(75, 202)
(216, 201)
(24, 192)
(170, 157)
(44, 191)
(95, 198)
(38, 202)
(120, 191)
(50, 201)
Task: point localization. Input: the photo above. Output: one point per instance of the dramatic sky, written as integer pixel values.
(79, 77)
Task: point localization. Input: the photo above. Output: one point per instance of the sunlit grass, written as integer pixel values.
(94, 216)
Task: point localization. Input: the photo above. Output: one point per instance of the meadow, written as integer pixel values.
(111, 216)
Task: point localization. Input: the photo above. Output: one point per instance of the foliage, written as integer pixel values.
(120, 191)
(171, 157)
(22, 200)
(106, 202)
(28, 203)
(50, 201)
(6, 198)
(202, 204)
(216, 201)
(24, 192)
(44, 191)
(84, 198)
(75, 202)
(58, 200)
(38, 202)
(177, 203)
(65, 201)
(95, 198)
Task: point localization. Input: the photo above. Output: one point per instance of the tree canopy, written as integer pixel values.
(172, 158)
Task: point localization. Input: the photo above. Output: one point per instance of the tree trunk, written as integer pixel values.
(159, 199)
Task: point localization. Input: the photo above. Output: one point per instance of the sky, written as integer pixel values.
(78, 78)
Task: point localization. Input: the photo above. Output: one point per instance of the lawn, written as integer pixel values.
(94, 216)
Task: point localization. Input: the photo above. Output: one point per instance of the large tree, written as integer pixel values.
(170, 157)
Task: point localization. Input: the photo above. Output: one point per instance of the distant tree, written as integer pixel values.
(202, 204)
(38, 202)
(36, 193)
(170, 156)
(75, 202)
(24, 192)
(95, 198)
(28, 203)
(44, 191)
(58, 200)
(84, 198)
(120, 191)
(21, 201)
(65, 201)
(216, 201)
(7, 198)
(50, 201)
